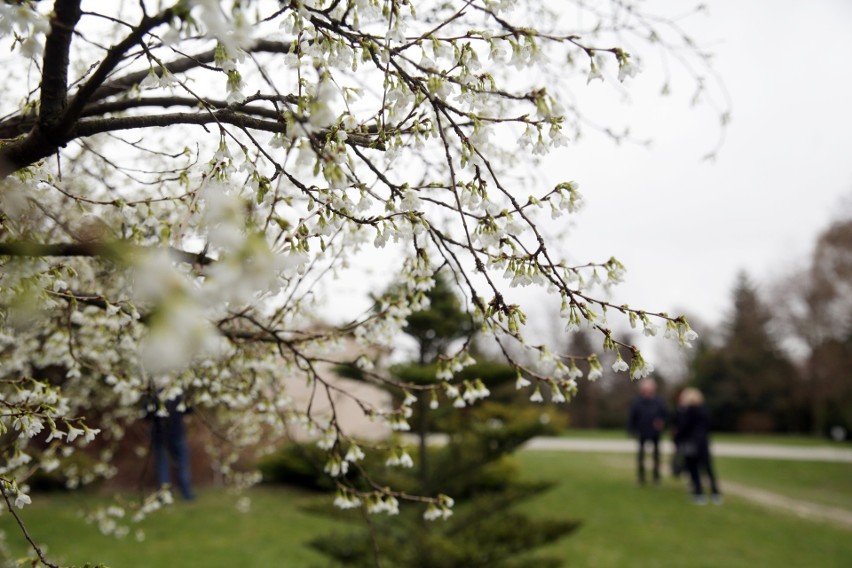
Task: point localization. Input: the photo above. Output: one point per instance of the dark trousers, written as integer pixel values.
(698, 463)
(169, 441)
(655, 444)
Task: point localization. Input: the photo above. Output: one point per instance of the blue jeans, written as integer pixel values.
(169, 445)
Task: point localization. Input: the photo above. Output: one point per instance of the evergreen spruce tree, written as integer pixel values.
(474, 466)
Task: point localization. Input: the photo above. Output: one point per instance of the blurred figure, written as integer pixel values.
(648, 415)
(692, 436)
(678, 463)
(168, 441)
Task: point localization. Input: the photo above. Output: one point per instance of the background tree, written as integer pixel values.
(815, 313)
(434, 329)
(748, 382)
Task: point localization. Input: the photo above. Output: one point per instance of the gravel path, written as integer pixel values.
(720, 449)
(804, 509)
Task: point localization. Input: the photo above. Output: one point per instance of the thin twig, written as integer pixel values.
(24, 529)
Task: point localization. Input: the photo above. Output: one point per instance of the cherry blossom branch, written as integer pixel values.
(124, 83)
(26, 533)
(54, 84)
(108, 249)
(90, 127)
(113, 57)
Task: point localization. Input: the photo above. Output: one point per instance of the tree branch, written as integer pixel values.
(226, 116)
(108, 249)
(109, 63)
(45, 135)
(97, 126)
(122, 84)
(165, 102)
(54, 81)
(120, 105)
(24, 530)
(57, 117)
(36, 146)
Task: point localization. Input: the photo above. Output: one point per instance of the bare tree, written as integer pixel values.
(814, 310)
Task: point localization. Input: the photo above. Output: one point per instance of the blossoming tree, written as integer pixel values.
(178, 178)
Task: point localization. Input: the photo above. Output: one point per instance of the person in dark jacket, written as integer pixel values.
(648, 416)
(692, 436)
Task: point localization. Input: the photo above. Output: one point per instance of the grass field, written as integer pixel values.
(622, 525)
(208, 532)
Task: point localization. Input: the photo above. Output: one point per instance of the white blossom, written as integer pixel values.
(345, 500)
(354, 454)
(536, 395)
(619, 365)
(595, 373)
(21, 500)
(594, 73)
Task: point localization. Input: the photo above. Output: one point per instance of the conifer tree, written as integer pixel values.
(473, 466)
(748, 381)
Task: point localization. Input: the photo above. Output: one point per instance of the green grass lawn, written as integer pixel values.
(209, 532)
(622, 525)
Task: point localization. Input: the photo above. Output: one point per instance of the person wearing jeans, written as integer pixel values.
(168, 440)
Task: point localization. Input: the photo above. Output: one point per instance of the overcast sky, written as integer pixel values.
(684, 227)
